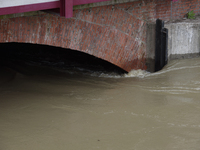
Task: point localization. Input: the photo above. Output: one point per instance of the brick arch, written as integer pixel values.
(111, 33)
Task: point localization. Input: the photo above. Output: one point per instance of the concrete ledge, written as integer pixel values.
(184, 37)
(183, 40)
(184, 56)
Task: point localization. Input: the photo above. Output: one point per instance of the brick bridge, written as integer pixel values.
(115, 32)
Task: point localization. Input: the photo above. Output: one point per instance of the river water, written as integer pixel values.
(48, 108)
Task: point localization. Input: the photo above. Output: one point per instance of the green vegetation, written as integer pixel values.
(191, 15)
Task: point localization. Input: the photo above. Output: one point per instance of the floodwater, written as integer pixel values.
(48, 108)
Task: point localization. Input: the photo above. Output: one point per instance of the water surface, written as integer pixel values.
(43, 108)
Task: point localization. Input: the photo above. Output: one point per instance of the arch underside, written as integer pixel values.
(51, 56)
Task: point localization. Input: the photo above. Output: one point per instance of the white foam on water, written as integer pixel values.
(106, 75)
(137, 73)
(133, 73)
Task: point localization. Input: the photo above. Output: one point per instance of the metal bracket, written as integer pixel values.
(66, 8)
(161, 51)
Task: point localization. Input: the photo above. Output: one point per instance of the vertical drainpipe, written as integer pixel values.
(66, 8)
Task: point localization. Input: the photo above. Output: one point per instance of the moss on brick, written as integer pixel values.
(112, 2)
(32, 13)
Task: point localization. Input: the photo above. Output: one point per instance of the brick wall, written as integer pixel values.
(114, 33)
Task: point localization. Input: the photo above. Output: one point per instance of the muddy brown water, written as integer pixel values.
(47, 109)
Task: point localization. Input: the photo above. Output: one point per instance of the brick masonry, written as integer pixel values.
(115, 33)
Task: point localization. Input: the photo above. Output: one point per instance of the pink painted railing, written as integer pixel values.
(66, 7)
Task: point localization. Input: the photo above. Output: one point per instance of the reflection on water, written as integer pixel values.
(45, 108)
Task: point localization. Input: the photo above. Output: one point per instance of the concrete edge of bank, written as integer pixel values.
(183, 40)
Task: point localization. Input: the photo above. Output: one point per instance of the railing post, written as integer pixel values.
(66, 8)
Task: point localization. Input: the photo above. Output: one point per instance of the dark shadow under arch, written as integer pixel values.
(50, 55)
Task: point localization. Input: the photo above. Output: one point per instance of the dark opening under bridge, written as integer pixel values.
(115, 31)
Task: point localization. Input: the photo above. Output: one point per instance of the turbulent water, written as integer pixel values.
(44, 108)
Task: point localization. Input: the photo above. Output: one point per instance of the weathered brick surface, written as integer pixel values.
(114, 33)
